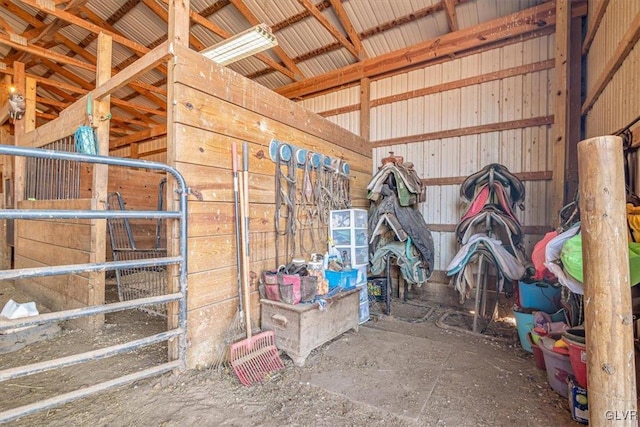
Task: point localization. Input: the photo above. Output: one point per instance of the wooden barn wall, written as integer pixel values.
(214, 107)
(410, 125)
(154, 150)
(619, 103)
(44, 243)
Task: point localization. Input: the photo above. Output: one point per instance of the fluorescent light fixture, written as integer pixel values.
(242, 45)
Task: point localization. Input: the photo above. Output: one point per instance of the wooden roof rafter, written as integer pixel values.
(46, 33)
(161, 12)
(221, 32)
(89, 26)
(419, 14)
(482, 34)
(253, 20)
(6, 27)
(146, 90)
(215, 7)
(134, 109)
(348, 26)
(330, 27)
(450, 11)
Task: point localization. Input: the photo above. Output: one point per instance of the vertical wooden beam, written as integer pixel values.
(574, 131)
(30, 98)
(365, 108)
(561, 105)
(178, 33)
(6, 202)
(19, 83)
(100, 178)
(607, 292)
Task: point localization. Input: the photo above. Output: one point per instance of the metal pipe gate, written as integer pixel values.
(180, 297)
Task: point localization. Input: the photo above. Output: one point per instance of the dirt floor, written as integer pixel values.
(397, 370)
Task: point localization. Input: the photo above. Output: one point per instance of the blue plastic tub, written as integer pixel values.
(540, 296)
(346, 279)
(524, 323)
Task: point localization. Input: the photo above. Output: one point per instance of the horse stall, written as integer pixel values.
(64, 201)
(214, 108)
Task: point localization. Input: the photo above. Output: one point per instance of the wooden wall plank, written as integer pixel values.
(198, 72)
(64, 234)
(471, 130)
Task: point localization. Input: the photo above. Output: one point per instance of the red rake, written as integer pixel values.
(256, 358)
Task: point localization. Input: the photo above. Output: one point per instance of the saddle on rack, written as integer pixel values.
(499, 173)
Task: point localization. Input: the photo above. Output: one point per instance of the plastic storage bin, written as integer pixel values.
(558, 366)
(524, 324)
(348, 229)
(575, 339)
(540, 296)
(347, 279)
(377, 288)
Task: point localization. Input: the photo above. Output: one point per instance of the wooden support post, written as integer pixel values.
(19, 84)
(100, 178)
(6, 202)
(561, 106)
(574, 103)
(178, 33)
(607, 293)
(365, 108)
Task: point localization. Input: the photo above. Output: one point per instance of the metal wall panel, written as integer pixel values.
(512, 98)
(618, 104)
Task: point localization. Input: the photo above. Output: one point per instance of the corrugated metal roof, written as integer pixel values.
(17, 24)
(387, 25)
(142, 25)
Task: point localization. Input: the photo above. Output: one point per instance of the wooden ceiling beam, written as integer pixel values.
(4, 25)
(46, 32)
(115, 17)
(512, 25)
(450, 11)
(215, 7)
(137, 85)
(44, 53)
(50, 83)
(424, 12)
(253, 20)
(134, 109)
(300, 16)
(142, 135)
(160, 11)
(348, 26)
(82, 23)
(329, 27)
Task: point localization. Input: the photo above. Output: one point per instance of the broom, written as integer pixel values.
(237, 327)
(255, 358)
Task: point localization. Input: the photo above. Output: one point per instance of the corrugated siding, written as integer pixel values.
(512, 98)
(618, 104)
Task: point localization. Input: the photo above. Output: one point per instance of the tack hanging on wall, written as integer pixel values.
(303, 156)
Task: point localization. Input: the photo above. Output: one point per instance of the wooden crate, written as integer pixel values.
(301, 328)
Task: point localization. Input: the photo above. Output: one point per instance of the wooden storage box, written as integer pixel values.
(301, 328)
